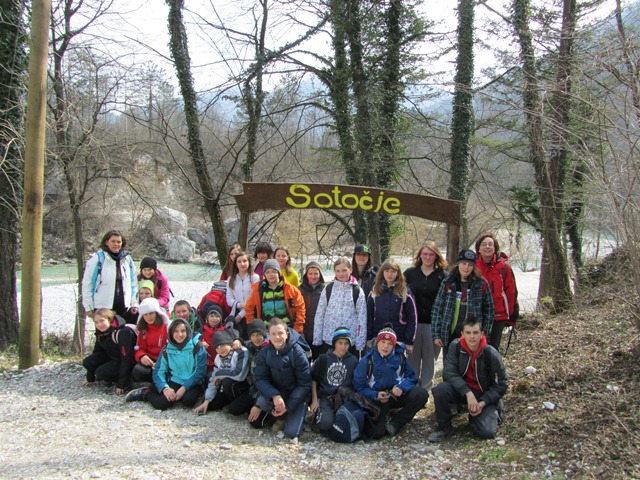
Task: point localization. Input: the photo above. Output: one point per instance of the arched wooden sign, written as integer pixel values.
(284, 196)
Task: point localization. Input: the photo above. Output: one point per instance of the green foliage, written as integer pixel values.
(525, 203)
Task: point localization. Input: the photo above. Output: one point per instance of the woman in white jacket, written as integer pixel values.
(239, 289)
(342, 304)
(109, 279)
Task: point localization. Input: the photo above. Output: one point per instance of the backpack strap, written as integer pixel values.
(97, 272)
(355, 291)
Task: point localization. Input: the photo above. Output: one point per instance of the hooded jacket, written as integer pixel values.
(118, 342)
(341, 312)
(502, 282)
(284, 372)
(296, 310)
(311, 295)
(151, 341)
(99, 281)
(386, 374)
(490, 372)
(234, 366)
(389, 307)
(186, 366)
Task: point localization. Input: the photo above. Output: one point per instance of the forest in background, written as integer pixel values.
(542, 139)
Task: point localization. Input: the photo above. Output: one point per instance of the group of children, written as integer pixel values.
(260, 345)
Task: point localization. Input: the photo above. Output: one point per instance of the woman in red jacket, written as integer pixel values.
(152, 337)
(493, 265)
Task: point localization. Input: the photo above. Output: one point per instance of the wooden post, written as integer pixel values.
(28, 345)
(453, 243)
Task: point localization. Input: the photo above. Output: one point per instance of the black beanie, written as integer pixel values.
(148, 262)
(258, 326)
(221, 337)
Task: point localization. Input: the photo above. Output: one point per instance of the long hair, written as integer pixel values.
(474, 276)
(439, 264)
(354, 266)
(287, 265)
(235, 271)
(399, 289)
(229, 264)
(108, 235)
(142, 323)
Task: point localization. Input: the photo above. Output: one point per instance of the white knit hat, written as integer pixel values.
(149, 305)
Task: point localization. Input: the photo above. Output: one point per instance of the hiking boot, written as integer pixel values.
(391, 429)
(137, 395)
(441, 433)
(278, 425)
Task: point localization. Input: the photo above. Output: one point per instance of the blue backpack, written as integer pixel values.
(348, 423)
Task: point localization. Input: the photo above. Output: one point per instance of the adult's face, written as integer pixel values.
(487, 249)
(114, 243)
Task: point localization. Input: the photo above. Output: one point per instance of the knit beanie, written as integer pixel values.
(387, 333)
(149, 305)
(221, 337)
(147, 284)
(258, 326)
(341, 332)
(467, 256)
(148, 262)
(213, 308)
(272, 263)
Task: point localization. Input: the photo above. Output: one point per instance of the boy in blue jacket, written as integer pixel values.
(384, 376)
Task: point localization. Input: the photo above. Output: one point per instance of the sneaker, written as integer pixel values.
(441, 433)
(391, 429)
(278, 425)
(137, 395)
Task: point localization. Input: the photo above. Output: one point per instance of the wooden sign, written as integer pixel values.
(283, 196)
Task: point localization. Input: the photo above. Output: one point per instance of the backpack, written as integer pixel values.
(355, 292)
(217, 295)
(348, 423)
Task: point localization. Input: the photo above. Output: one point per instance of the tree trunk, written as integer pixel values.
(29, 352)
(554, 277)
(13, 57)
(182, 63)
(462, 120)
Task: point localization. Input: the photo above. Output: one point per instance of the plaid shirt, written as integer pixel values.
(479, 304)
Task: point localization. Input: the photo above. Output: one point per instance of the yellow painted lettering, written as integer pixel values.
(294, 191)
(379, 204)
(336, 196)
(320, 196)
(352, 199)
(366, 201)
(392, 205)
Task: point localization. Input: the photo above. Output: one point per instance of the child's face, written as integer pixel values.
(233, 254)
(214, 320)
(472, 335)
(144, 293)
(390, 275)
(313, 275)
(385, 347)
(361, 259)
(262, 256)
(223, 350)
(282, 257)
(257, 338)
(149, 317)
(278, 336)
(272, 276)
(342, 272)
(465, 269)
(148, 272)
(101, 323)
(180, 333)
(242, 263)
(181, 311)
(341, 347)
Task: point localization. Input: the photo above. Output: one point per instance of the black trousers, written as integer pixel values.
(159, 401)
(409, 404)
(228, 392)
(101, 367)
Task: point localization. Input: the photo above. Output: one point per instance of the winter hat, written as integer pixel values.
(467, 256)
(312, 265)
(272, 263)
(257, 326)
(221, 337)
(362, 249)
(387, 333)
(147, 284)
(148, 262)
(211, 308)
(341, 332)
(149, 305)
